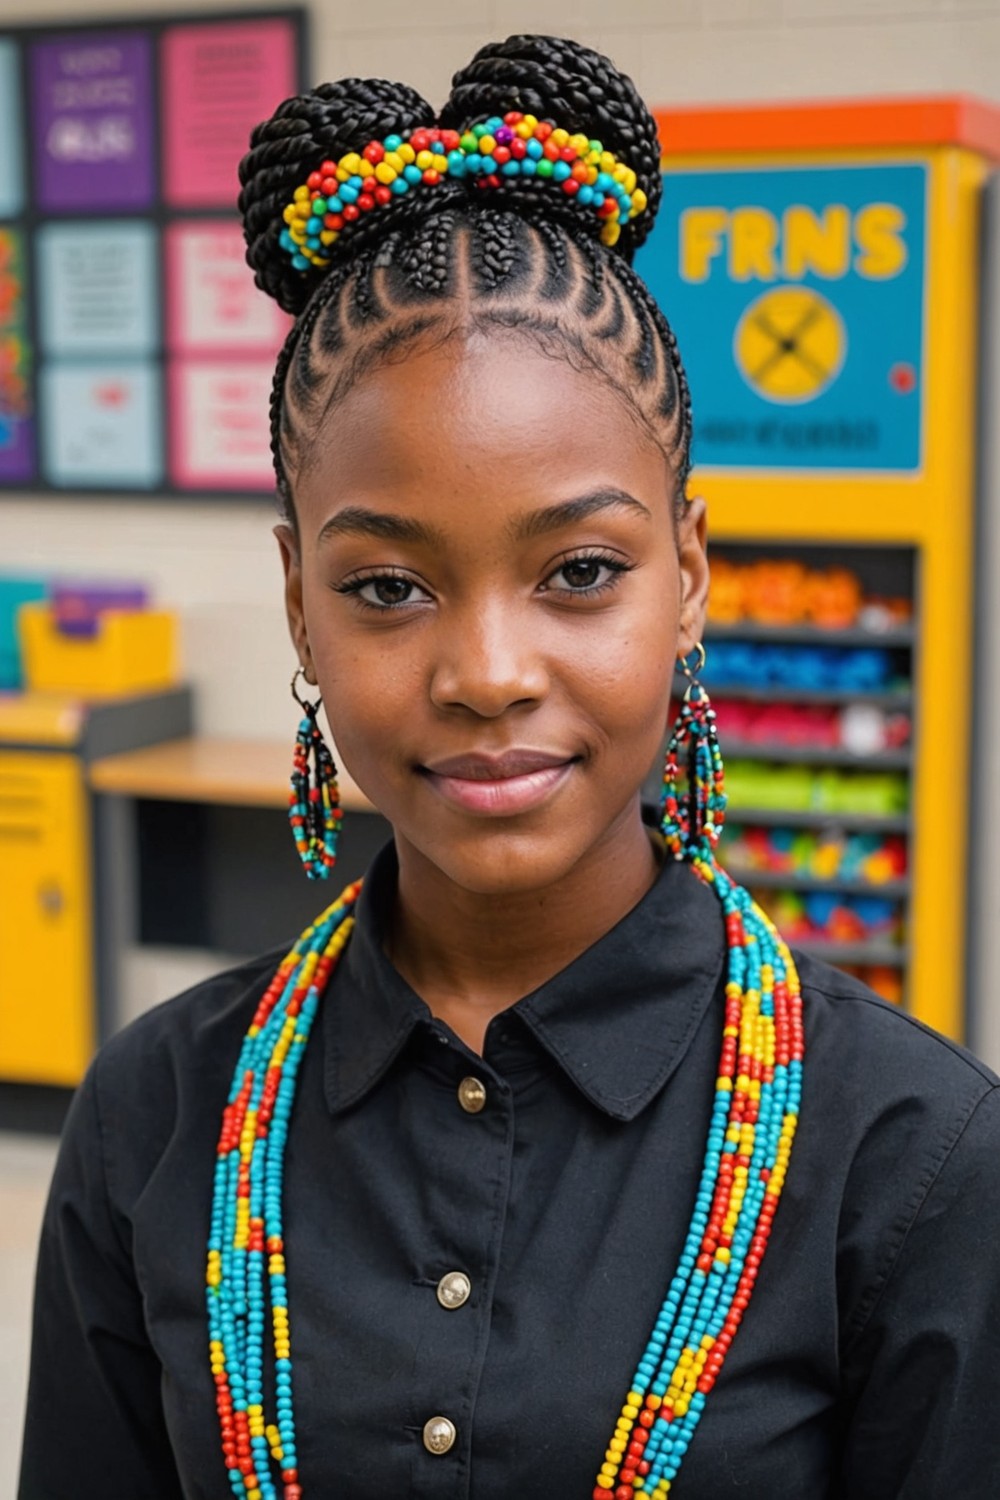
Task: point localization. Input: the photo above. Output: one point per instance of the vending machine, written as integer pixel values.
(821, 266)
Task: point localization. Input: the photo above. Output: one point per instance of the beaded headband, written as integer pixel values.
(519, 145)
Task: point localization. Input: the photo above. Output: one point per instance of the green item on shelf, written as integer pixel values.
(751, 783)
(801, 788)
(875, 793)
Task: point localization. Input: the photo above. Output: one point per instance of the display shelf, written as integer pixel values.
(902, 637)
(864, 466)
(857, 955)
(848, 822)
(881, 573)
(900, 699)
(818, 755)
(778, 880)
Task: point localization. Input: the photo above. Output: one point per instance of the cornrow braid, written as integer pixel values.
(582, 90)
(518, 257)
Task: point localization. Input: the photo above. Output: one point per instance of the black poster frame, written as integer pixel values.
(31, 216)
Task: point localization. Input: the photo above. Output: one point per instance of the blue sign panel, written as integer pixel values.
(797, 297)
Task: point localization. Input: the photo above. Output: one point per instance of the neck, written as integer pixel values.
(470, 955)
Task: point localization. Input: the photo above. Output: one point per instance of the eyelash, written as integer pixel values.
(615, 566)
(352, 586)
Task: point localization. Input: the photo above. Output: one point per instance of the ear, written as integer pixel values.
(288, 544)
(692, 551)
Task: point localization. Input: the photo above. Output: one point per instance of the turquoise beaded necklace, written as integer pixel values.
(754, 1115)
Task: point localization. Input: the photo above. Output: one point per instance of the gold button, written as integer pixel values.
(439, 1435)
(471, 1095)
(453, 1290)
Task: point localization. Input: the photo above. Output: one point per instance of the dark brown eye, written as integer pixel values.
(391, 590)
(583, 572)
(384, 591)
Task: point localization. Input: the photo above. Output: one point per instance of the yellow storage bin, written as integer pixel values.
(133, 651)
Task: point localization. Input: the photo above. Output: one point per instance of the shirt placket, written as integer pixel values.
(471, 1148)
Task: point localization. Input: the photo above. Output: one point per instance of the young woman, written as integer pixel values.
(498, 1171)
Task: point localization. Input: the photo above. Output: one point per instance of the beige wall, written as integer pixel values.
(217, 563)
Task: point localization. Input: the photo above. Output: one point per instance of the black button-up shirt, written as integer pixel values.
(865, 1369)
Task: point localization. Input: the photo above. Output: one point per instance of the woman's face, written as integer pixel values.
(491, 592)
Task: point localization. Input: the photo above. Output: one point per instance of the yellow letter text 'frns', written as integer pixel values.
(750, 243)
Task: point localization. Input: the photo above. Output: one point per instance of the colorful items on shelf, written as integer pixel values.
(886, 982)
(815, 854)
(800, 788)
(862, 729)
(832, 669)
(97, 640)
(780, 591)
(827, 917)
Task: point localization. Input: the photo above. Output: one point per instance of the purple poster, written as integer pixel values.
(92, 122)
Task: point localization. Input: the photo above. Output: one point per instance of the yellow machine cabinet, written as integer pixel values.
(821, 266)
(47, 1023)
(56, 878)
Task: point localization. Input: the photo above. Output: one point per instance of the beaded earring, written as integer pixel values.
(313, 811)
(693, 818)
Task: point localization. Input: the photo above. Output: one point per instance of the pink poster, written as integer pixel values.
(213, 305)
(219, 427)
(219, 80)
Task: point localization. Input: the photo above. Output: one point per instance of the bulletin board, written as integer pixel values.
(136, 353)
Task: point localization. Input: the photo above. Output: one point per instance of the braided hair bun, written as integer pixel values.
(577, 88)
(303, 131)
(562, 81)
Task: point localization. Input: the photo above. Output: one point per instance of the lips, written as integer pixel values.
(499, 785)
(478, 767)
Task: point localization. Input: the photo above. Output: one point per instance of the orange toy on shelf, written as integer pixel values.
(776, 592)
(727, 595)
(833, 598)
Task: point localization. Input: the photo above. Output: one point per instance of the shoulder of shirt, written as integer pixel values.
(218, 1007)
(873, 1028)
(917, 1118)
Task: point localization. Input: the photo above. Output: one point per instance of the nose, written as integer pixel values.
(488, 660)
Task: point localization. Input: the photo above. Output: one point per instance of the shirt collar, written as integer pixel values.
(617, 1020)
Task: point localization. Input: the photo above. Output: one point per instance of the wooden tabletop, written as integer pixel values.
(241, 773)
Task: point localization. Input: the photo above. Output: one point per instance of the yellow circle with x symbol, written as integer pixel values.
(790, 344)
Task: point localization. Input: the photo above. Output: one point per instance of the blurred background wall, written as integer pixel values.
(216, 562)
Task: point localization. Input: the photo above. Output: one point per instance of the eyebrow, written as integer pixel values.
(358, 520)
(553, 517)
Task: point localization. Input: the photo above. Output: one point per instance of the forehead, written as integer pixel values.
(484, 423)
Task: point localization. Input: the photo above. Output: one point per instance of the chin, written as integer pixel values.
(502, 862)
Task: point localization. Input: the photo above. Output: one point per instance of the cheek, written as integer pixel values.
(366, 690)
(368, 695)
(624, 668)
